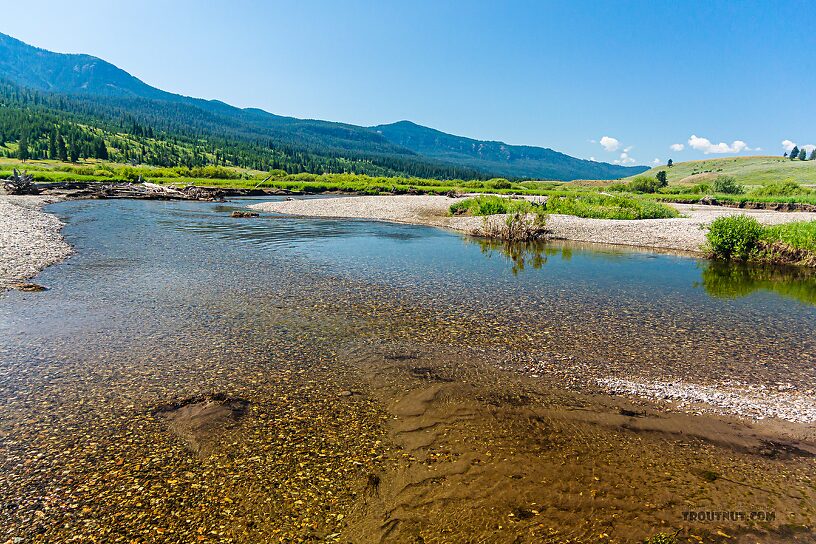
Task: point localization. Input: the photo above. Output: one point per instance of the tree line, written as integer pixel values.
(800, 154)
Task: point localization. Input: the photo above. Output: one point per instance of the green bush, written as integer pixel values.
(644, 184)
(702, 189)
(499, 183)
(728, 185)
(784, 188)
(733, 237)
(673, 190)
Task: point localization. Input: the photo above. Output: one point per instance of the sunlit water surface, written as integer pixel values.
(158, 276)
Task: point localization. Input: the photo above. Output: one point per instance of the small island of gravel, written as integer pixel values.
(685, 233)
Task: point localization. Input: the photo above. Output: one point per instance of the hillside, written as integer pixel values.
(748, 170)
(512, 160)
(101, 110)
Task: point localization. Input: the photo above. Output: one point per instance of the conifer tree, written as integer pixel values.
(62, 151)
(52, 145)
(794, 154)
(802, 154)
(74, 151)
(22, 152)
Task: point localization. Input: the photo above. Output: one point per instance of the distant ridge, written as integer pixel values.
(102, 95)
(513, 160)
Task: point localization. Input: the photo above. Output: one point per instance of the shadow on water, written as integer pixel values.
(731, 281)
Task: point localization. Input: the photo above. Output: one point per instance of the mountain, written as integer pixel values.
(63, 73)
(513, 160)
(96, 103)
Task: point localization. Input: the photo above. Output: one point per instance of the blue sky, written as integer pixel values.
(616, 81)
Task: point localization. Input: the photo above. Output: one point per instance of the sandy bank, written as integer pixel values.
(685, 233)
(30, 239)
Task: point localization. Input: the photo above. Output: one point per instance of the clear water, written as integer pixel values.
(179, 269)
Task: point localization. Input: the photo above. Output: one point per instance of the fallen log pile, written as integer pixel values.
(138, 190)
(153, 191)
(149, 191)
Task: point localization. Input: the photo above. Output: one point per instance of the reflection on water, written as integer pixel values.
(184, 264)
(730, 281)
(521, 255)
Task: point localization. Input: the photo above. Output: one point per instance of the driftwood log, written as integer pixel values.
(149, 191)
(21, 183)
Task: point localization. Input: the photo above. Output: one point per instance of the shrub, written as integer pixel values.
(490, 205)
(499, 183)
(784, 188)
(728, 185)
(733, 237)
(214, 172)
(618, 187)
(599, 206)
(702, 189)
(674, 190)
(644, 184)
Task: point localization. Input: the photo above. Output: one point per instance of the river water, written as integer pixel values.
(168, 300)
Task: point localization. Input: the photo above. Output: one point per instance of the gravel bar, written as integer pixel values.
(685, 233)
(30, 239)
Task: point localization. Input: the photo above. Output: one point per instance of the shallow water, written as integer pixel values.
(175, 266)
(169, 300)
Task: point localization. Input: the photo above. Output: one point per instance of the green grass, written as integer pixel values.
(799, 235)
(747, 170)
(242, 178)
(491, 205)
(784, 188)
(590, 205)
(601, 206)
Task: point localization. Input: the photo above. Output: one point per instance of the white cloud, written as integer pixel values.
(592, 159)
(789, 145)
(677, 147)
(656, 161)
(705, 145)
(628, 149)
(609, 143)
(624, 159)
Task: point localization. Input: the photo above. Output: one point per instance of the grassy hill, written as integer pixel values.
(748, 171)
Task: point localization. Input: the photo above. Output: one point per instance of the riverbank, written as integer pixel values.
(686, 233)
(30, 239)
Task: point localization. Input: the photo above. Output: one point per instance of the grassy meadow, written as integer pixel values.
(749, 171)
(749, 179)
